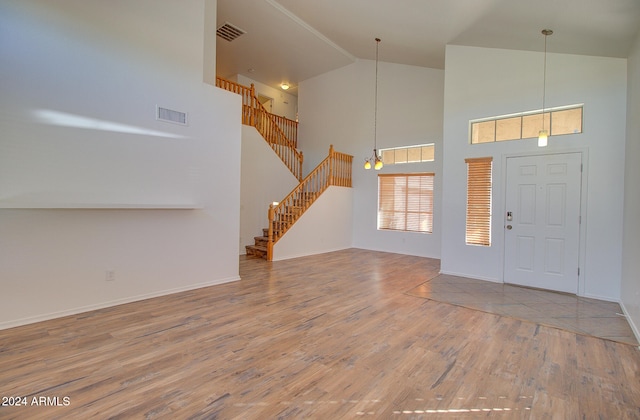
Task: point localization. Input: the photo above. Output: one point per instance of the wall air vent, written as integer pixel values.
(169, 115)
(229, 32)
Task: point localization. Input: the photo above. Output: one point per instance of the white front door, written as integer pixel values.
(542, 221)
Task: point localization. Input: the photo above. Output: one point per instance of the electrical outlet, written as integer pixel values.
(111, 275)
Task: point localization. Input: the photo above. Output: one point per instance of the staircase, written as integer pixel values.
(299, 203)
(335, 170)
(259, 248)
(281, 134)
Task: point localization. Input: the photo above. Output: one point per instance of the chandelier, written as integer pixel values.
(543, 135)
(375, 160)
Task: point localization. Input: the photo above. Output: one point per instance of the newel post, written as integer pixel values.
(253, 105)
(270, 234)
(300, 166)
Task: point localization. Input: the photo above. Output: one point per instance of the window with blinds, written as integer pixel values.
(405, 202)
(478, 230)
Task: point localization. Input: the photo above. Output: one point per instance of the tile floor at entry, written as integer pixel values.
(569, 312)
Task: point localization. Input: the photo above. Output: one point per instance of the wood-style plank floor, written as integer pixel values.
(326, 337)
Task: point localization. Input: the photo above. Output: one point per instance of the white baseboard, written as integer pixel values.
(598, 297)
(74, 311)
(634, 327)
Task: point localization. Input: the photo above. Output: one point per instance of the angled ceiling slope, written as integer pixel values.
(293, 40)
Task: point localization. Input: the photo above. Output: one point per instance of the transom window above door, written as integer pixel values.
(524, 125)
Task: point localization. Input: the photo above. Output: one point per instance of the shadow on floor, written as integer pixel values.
(569, 312)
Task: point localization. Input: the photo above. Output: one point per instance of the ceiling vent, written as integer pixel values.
(229, 32)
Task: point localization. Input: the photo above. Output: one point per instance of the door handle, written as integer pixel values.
(509, 227)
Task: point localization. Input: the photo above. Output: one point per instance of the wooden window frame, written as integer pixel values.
(397, 209)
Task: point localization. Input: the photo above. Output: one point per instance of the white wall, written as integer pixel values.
(111, 65)
(324, 227)
(54, 262)
(284, 104)
(338, 108)
(483, 82)
(631, 243)
(265, 179)
(74, 63)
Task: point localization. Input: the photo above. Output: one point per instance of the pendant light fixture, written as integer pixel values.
(543, 136)
(375, 160)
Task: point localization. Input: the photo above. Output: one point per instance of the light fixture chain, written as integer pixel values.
(375, 160)
(543, 135)
(375, 101)
(544, 79)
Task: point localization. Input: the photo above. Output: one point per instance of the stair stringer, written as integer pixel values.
(326, 226)
(263, 178)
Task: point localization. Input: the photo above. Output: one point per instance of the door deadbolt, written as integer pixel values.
(509, 227)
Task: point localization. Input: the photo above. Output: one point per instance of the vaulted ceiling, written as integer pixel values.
(293, 40)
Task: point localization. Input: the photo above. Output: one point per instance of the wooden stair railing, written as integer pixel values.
(268, 125)
(288, 127)
(335, 169)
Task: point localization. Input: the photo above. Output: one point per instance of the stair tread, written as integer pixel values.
(256, 251)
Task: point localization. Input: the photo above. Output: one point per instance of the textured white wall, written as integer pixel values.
(631, 244)
(105, 68)
(89, 59)
(324, 227)
(483, 82)
(54, 262)
(338, 108)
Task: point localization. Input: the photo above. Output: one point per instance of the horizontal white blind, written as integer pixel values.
(405, 202)
(478, 231)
